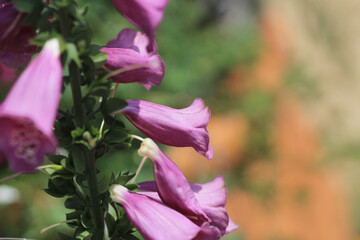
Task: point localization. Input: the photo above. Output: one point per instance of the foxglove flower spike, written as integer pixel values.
(173, 188)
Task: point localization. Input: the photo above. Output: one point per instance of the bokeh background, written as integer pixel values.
(283, 84)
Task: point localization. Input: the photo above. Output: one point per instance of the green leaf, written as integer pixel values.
(122, 226)
(116, 136)
(113, 121)
(62, 184)
(75, 203)
(73, 215)
(77, 159)
(110, 222)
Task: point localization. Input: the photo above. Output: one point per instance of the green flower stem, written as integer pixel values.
(88, 157)
(76, 93)
(95, 209)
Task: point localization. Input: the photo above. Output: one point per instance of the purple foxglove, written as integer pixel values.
(211, 196)
(15, 49)
(28, 113)
(172, 186)
(175, 127)
(145, 14)
(7, 75)
(130, 49)
(155, 221)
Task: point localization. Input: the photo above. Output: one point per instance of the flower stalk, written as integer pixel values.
(88, 157)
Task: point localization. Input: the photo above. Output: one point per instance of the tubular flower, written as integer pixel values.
(170, 186)
(175, 127)
(130, 49)
(155, 221)
(145, 14)
(15, 49)
(28, 113)
(173, 188)
(200, 202)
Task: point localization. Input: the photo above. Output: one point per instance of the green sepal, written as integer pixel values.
(121, 179)
(132, 187)
(113, 105)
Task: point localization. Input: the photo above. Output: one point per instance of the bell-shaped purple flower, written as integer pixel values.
(173, 188)
(15, 48)
(175, 127)
(28, 113)
(211, 197)
(155, 221)
(145, 14)
(129, 49)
